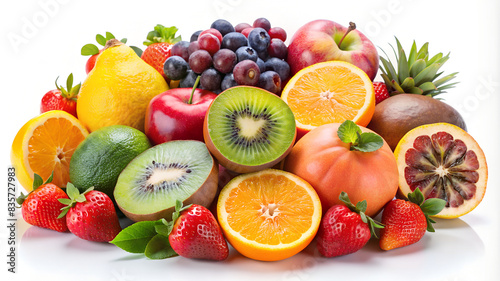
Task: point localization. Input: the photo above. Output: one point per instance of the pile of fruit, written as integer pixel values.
(236, 138)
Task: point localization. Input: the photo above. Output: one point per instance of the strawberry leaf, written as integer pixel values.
(360, 209)
(433, 206)
(163, 34)
(416, 197)
(37, 181)
(49, 180)
(135, 238)
(72, 191)
(159, 248)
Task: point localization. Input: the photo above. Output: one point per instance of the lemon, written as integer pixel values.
(100, 158)
(118, 90)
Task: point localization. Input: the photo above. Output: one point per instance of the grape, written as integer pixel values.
(228, 82)
(258, 39)
(181, 49)
(247, 31)
(223, 26)
(193, 47)
(246, 53)
(189, 80)
(209, 43)
(214, 32)
(279, 66)
(225, 60)
(194, 36)
(199, 61)
(240, 26)
(210, 79)
(277, 48)
(262, 23)
(234, 40)
(175, 68)
(261, 64)
(246, 73)
(270, 81)
(277, 32)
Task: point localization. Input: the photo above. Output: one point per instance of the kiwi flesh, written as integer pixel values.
(249, 129)
(148, 187)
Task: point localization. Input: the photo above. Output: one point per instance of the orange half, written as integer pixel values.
(330, 92)
(45, 144)
(269, 215)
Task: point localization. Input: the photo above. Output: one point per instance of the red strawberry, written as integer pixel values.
(406, 221)
(41, 206)
(381, 92)
(344, 229)
(93, 51)
(196, 234)
(90, 215)
(61, 98)
(159, 42)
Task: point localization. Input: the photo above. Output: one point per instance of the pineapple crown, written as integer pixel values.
(417, 73)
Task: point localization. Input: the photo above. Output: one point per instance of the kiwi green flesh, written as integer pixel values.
(397, 115)
(250, 126)
(149, 186)
(442, 167)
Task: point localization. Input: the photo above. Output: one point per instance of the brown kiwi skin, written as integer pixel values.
(397, 115)
(204, 196)
(236, 167)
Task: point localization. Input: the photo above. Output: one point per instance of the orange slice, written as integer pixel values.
(269, 215)
(329, 92)
(45, 144)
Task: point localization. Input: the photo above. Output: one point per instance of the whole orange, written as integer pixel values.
(330, 166)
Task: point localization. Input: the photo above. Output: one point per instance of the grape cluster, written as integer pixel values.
(225, 56)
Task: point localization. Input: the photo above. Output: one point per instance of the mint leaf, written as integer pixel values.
(348, 132)
(89, 50)
(159, 248)
(369, 142)
(135, 238)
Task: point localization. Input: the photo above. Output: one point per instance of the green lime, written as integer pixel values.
(103, 154)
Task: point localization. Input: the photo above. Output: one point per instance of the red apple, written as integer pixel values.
(170, 116)
(325, 40)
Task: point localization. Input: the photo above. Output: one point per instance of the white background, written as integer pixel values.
(42, 39)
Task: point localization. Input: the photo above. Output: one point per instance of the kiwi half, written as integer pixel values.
(150, 184)
(249, 129)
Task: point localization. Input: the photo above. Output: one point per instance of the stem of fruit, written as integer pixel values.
(194, 88)
(351, 27)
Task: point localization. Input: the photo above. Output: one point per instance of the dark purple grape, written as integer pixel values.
(189, 80)
(264, 55)
(270, 81)
(246, 53)
(193, 47)
(180, 49)
(240, 26)
(279, 66)
(277, 49)
(234, 40)
(175, 68)
(228, 82)
(199, 61)
(210, 79)
(262, 23)
(246, 73)
(223, 26)
(261, 64)
(209, 43)
(225, 60)
(259, 39)
(194, 36)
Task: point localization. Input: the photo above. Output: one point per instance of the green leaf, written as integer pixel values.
(49, 180)
(423, 52)
(348, 132)
(37, 181)
(109, 35)
(417, 67)
(100, 39)
(427, 74)
(72, 191)
(408, 84)
(137, 50)
(413, 54)
(435, 58)
(159, 248)
(163, 227)
(369, 142)
(402, 63)
(65, 201)
(433, 206)
(391, 72)
(89, 50)
(124, 40)
(445, 79)
(427, 87)
(69, 82)
(397, 87)
(135, 238)
(416, 196)
(361, 206)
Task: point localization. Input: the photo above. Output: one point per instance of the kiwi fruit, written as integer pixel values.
(148, 187)
(249, 129)
(399, 114)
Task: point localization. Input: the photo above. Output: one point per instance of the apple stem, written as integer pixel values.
(194, 88)
(351, 27)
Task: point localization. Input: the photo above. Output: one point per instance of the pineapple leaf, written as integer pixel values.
(447, 86)
(402, 63)
(435, 59)
(427, 87)
(417, 67)
(423, 53)
(397, 87)
(416, 90)
(412, 57)
(427, 74)
(408, 84)
(445, 79)
(391, 72)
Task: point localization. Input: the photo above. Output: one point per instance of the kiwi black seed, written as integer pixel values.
(249, 129)
(149, 186)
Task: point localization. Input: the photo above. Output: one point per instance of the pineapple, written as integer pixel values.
(417, 73)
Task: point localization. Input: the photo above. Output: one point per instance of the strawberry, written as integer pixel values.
(159, 42)
(196, 234)
(407, 221)
(61, 98)
(381, 92)
(345, 229)
(90, 215)
(93, 51)
(41, 206)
